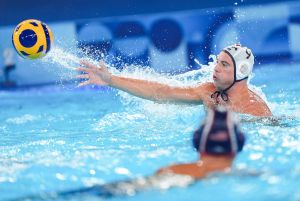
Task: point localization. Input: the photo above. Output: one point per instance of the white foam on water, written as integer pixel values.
(66, 61)
(22, 119)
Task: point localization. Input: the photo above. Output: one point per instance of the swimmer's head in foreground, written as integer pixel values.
(217, 141)
(219, 134)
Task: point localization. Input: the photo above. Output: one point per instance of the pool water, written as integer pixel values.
(59, 138)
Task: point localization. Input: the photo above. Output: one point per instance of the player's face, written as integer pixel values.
(223, 75)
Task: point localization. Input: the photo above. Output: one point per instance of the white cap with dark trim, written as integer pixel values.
(243, 60)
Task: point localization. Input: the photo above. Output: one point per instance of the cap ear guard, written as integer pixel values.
(243, 70)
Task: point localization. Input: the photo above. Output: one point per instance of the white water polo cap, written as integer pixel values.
(243, 61)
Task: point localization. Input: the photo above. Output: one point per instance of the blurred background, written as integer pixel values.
(57, 137)
(166, 35)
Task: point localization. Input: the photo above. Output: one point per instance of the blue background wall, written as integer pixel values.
(14, 11)
(169, 41)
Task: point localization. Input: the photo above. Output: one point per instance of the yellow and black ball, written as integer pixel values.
(32, 39)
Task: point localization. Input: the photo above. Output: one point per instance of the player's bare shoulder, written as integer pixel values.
(204, 90)
(258, 106)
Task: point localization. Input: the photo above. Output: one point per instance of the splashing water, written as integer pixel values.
(67, 60)
(60, 56)
(70, 59)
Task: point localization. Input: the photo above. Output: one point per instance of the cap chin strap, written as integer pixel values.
(223, 93)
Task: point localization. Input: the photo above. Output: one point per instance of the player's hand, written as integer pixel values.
(98, 75)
